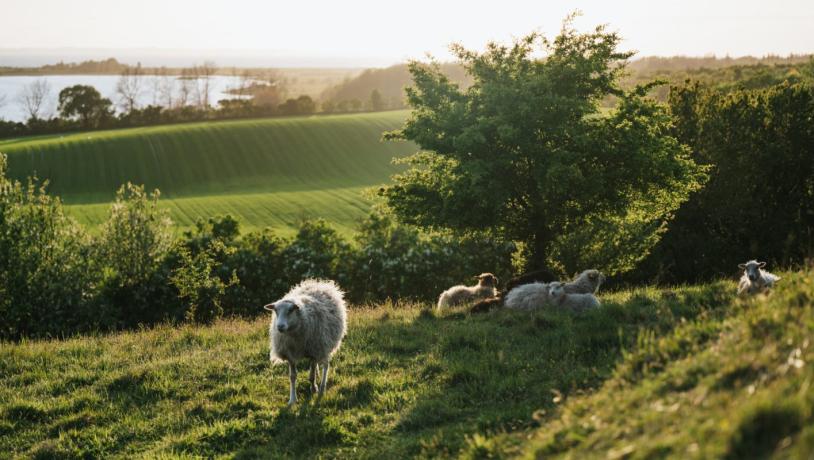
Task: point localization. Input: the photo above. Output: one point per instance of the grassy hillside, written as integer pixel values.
(689, 372)
(265, 172)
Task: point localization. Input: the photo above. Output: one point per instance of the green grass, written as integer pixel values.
(266, 172)
(689, 373)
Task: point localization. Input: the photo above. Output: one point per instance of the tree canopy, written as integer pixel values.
(85, 102)
(525, 152)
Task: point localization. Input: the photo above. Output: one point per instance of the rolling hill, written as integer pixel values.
(689, 372)
(266, 172)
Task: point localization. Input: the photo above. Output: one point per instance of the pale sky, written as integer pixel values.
(391, 32)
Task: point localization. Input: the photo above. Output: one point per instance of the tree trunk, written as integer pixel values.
(537, 251)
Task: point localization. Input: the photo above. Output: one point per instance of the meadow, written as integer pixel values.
(265, 172)
(685, 372)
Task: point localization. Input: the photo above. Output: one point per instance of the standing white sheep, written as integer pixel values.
(575, 302)
(308, 323)
(754, 278)
(537, 295)
(456, 295)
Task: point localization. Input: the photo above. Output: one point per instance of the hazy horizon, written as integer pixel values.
(364, 34)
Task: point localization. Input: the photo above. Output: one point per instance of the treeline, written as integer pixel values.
(759, 201)
(174, 100)
(56, 278)
(388, 84)
(724, 73)
(108, 66)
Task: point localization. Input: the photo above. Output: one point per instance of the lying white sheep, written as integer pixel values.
(537, 295)
(754, 278)
(574, 302)
(309, 323)
(456, 295)
(527, 296)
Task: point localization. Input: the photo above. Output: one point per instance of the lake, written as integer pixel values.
(11, 86)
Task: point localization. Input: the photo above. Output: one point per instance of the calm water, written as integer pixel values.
(10, 87)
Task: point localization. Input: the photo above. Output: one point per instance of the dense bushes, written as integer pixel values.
(47, 277)
(55, 279)
(759, 202)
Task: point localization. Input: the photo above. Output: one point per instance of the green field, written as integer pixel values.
(266, 172)
(690, 372)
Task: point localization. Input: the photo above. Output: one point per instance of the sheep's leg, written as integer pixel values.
(292, 377)
(324, 383)
(312, 377)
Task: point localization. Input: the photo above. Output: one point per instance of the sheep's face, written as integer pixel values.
(286, 315)
(556, 290)
(487, 279)
(752, 269)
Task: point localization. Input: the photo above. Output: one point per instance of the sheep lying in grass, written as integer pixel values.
(560, 297)
(457, 295)
(309, 323)
(754, 278)
(537, 295)
(539, 276)
(528, 296)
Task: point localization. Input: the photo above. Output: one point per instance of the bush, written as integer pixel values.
(133, 248)
(316, 252)
(199, 285)
(398, 262)
(47, 278)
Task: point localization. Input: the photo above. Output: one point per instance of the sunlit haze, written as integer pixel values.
(379, 33)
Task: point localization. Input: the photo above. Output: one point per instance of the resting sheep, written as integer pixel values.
(308, 323)
(456, 295)
(754, 278)
(537, 295)
(560, 297)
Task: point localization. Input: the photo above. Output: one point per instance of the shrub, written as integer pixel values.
(133, 247)
(315, 252)
(395, 261)
(199, 285)
(47, 277)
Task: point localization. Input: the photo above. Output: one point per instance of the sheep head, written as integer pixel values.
(487, 279)
(752, 269)
(286, 315)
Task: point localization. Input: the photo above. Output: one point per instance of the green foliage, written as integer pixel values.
(759, 201)
(87, 104)
(199, 285)
(46, 273)
(317, 251)
(133, 246)
(394, 261)
(523, 152)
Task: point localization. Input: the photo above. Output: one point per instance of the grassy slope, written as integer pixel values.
(265, 172)
(697, 374)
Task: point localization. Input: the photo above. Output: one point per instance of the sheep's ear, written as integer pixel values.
(742, 266)
(270, 307)
(294, 306)
(761, 264)
(592, 276)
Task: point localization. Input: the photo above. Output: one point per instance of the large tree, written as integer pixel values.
(525, 153)
(86, 103)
